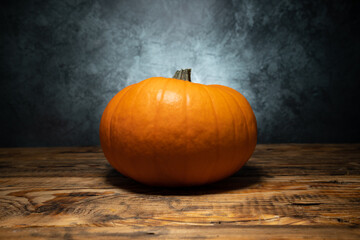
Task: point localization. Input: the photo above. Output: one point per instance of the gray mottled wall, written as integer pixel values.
(297, 62)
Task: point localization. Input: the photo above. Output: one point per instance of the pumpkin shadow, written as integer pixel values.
(244, 178)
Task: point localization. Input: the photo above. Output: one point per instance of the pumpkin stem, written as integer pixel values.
(183, 74)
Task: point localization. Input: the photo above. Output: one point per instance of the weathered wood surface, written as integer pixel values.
(297, 191)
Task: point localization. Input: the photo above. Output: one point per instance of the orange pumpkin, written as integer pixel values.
(171, 132)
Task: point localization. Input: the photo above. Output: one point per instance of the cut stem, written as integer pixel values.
(183, 74)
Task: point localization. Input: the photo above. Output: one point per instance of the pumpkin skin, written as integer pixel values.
(171, 132)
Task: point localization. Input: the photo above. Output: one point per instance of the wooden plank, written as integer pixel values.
(262, 203)
(44, 191)
(188, 232)
(267, 160)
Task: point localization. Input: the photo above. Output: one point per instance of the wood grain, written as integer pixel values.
(285, 191)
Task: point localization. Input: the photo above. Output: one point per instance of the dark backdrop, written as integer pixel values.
(297, 62)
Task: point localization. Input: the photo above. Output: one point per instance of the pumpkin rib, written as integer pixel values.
(252, 144)
(114, 162)
(233, 120)
(244, 115)
(155, 128)
(116, 110)
(131, 115)
(186, 128)
(217, 133)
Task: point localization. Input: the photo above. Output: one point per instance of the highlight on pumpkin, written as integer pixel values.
(172, 132)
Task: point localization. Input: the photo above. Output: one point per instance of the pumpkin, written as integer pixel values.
(173, 132)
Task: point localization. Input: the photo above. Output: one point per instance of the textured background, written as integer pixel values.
(297, 62)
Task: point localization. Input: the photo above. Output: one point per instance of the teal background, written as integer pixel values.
(297, 63)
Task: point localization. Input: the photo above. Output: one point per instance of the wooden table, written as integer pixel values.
(297, 191)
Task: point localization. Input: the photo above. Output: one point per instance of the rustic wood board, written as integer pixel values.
(298, 191)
